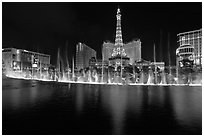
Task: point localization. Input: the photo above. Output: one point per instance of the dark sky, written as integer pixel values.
(45, 27)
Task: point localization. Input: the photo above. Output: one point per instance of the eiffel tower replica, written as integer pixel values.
(119, 58)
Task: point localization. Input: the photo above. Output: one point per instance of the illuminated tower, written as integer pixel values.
(118, 50)
(118, 56)
(120, 53)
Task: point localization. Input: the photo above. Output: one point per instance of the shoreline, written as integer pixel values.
(97, 83)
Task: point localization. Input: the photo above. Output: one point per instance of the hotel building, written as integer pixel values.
(132, 50)
(22, 60)
(190, 48)
(127, 53)
(83, 54)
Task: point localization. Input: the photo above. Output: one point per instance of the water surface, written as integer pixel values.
(32, 107)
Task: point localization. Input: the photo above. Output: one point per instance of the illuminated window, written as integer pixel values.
(118, 18)
(183, 38)
(17, 51)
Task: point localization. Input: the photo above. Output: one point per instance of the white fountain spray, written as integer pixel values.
(155, 67)
(67, 62)
(169, 56)
(73, 69)
(102, 67)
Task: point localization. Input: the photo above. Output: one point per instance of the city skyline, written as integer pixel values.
(106, 68)
(45, 27)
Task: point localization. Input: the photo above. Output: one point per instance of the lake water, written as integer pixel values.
(33, 107)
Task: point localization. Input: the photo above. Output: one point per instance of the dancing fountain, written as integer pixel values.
(93, 76)
(106, 75)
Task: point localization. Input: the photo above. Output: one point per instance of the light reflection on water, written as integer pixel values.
(187, 106)
(100, 109)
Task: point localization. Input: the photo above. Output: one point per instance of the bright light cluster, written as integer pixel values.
(94, 79)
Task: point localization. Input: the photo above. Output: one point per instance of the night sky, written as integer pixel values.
(45, 27)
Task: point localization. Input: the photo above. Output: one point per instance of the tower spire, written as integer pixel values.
(118, 50)
(118, 37)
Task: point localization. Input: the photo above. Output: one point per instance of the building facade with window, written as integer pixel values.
(189, 51)
(132, 50)
(107, 50)
(22, 60)
(83, 55)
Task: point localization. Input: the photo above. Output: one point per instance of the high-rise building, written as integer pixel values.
(83, 55)
(190, 47)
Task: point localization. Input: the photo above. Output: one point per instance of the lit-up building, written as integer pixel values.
(22, 60)
(127, 53)
(83, 55)
(132, 50)
(97, 63)
(118, 56)
(101, 63)
(184, 56)
(93, 62)
(144, 64)
(107, 50)
(189, 51)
